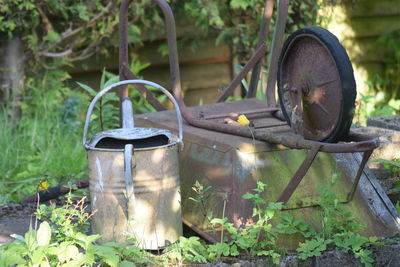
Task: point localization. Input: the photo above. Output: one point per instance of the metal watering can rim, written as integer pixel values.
(130, 134)
(121, 132)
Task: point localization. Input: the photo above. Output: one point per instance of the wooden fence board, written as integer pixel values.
(368, 8)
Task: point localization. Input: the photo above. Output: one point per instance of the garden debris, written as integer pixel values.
(54, 192)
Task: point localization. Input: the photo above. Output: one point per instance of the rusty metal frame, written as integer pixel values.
(294, 141)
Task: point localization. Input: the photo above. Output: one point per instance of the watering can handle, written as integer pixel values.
(105, 90)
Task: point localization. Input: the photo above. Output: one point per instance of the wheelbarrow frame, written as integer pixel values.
(354, 143)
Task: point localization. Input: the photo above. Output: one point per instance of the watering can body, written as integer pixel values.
(134, 183)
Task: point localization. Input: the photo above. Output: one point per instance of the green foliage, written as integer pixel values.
(312, 248)
(62, 242)
(106, 111)
(60, 239)
(67, 220)
(254, 240)
(260, 239)
(392, 166)
(390, 80)
(237, 22)
(339, 230)
(37, 149)
(375, 106)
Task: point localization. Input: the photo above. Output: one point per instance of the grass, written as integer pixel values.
(38, 148)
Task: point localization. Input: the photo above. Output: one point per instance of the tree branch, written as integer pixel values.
(69, 33)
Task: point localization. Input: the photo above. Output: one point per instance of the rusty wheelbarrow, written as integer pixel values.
(305, 135)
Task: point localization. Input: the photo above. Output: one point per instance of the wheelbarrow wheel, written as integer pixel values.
(316, 85)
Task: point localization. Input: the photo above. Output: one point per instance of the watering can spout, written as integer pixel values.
(127, 113)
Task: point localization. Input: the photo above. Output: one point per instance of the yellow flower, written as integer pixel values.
(43, 185)
(242, 119)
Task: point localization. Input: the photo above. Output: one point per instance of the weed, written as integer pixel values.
(392, 166)
(375, 106)
(339, 231)
(61, 240)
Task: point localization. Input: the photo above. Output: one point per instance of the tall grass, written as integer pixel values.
(38, 148)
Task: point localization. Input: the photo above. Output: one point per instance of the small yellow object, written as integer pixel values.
(242, 119)
(43, 185)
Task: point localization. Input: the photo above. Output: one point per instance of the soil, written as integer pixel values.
(15, 218)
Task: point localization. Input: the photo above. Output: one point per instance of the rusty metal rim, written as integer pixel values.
(283, 58)
(344, 72)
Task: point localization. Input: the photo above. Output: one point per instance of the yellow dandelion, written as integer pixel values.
(242, 119)
(43, 185)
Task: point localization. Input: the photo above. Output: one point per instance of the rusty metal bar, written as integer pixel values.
(249, 112)
(255, 76)
(283, 7)
(292, 141)
(124, 72)
(173, 58)
(365, 158)
(203, 234)
(236, 81)
(299, 175)
(268, 125)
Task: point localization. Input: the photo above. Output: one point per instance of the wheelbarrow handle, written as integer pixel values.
(105, 90)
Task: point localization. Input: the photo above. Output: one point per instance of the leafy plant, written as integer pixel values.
(375, 106)
(106, 111)
(68, 220)
(339, 230)
(61, 241)
(41, 148)
(392, 166)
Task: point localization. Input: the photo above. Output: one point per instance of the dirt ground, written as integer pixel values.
(15, 218)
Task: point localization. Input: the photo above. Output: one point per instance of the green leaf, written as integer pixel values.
(87, 88)
(43, 235)
(111, 81)
(52, 36)
(12, 256)
(30, 239)
(18, 237)
(38, 255)
(242, 4)
(220, 221)
(126, 263)
(311, 248)
(107, 254)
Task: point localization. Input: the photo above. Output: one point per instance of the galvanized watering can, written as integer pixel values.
(134, 178)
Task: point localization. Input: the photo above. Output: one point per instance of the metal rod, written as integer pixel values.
(240, 76)
(266, 125)
(124, 72)
(299, 175)
(249, 112)
(262, 36)
(279, 31)
(127, 119)
(364, 161)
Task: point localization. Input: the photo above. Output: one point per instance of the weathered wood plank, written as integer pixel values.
(193, 76)
(365, 50)
(365, 27)
(207, 50)
(364, 73)
(372, 8)
(374, 26)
